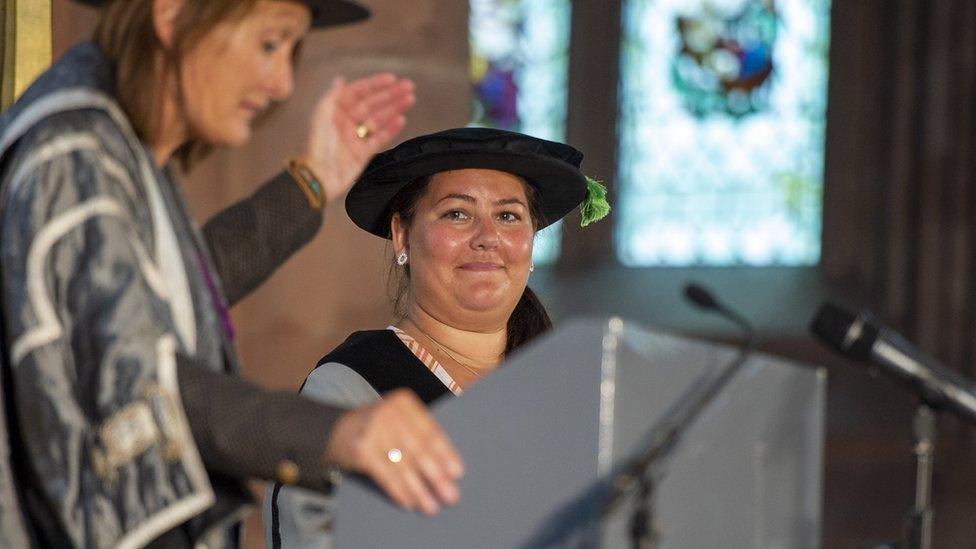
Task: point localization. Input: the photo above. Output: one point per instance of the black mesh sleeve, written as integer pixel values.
(252, 238)
(243, 431)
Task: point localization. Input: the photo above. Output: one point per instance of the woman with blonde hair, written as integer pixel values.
(123, 423)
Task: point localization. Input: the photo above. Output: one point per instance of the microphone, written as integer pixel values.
(862, 337)
(642, 473)
(700, 296)
(704, 299)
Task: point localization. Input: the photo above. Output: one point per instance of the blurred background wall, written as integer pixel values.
(897, 216)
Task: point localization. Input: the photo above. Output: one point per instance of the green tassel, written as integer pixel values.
(595, 207)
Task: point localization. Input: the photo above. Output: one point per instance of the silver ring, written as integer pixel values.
(394, 455)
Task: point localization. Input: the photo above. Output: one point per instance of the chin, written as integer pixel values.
(236, 135)
(491, 302)
(238, 138)
(481, 306)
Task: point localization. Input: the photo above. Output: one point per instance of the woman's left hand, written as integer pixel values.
(336, 150)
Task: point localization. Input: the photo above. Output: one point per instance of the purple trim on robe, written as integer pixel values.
(218, 301)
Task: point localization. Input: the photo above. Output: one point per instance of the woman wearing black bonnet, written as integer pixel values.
(461, 209)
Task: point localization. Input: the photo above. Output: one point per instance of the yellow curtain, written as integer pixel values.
(26, 45)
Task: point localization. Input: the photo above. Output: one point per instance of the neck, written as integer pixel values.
(169, 129)
(484, 348)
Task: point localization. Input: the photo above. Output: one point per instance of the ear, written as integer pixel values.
(164, 20)
(400, 234)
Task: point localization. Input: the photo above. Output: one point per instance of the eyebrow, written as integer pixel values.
(506, 201)
(471, 199)
(291, 22)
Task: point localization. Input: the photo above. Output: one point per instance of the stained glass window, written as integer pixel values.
(519, 69)
(722, 120)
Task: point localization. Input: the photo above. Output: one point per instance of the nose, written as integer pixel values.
(486, 235)
(281, 80)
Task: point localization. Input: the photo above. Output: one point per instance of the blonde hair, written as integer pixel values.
(127, 38)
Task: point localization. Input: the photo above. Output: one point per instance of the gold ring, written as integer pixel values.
(394, 455)
(362, 131)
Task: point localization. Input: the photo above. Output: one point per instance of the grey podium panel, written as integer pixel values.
(542, 437)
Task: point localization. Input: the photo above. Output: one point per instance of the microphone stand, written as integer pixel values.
(918, 527)
(645, 471)
(919, 535)
(862, 337)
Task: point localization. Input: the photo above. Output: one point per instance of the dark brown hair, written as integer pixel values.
(529, 318)
(127, 38)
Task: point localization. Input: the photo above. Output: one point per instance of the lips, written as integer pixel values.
(253, 109)
(481, 267)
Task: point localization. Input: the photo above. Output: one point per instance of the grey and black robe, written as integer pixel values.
(120, 425)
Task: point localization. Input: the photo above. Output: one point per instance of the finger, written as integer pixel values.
(361, 108)
(379, 118)
(392, 93)
(402, 95)
(432, 433)
(387, 478)
(415, 485)
(394, 425)
(325, 112)
(351, 98)
(380, 128)
(366, 85)
(411, 410)
(421, 426)
(332, 93)
(438, 478)
(379, 138)
(418, 471)
(444, 453)
(354, 92)
(447, 456)
(338, 82)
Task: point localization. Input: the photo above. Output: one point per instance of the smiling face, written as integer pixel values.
(239, 68)
(470, 247)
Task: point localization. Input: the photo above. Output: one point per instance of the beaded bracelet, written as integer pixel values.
(307, 181)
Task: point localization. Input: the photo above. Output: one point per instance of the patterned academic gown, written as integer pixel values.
(119, 426)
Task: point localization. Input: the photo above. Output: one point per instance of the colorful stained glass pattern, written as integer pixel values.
(722, 121)
(519, 70)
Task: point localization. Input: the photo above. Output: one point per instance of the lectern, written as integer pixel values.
(544, 436)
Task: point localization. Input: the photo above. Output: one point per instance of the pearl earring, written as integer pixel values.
(402, 259)
(532, 267)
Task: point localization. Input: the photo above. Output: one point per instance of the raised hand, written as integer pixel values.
(352, 122)
(398, 444)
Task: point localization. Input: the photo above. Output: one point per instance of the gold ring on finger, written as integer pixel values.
(362, 131)
(394, 455)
